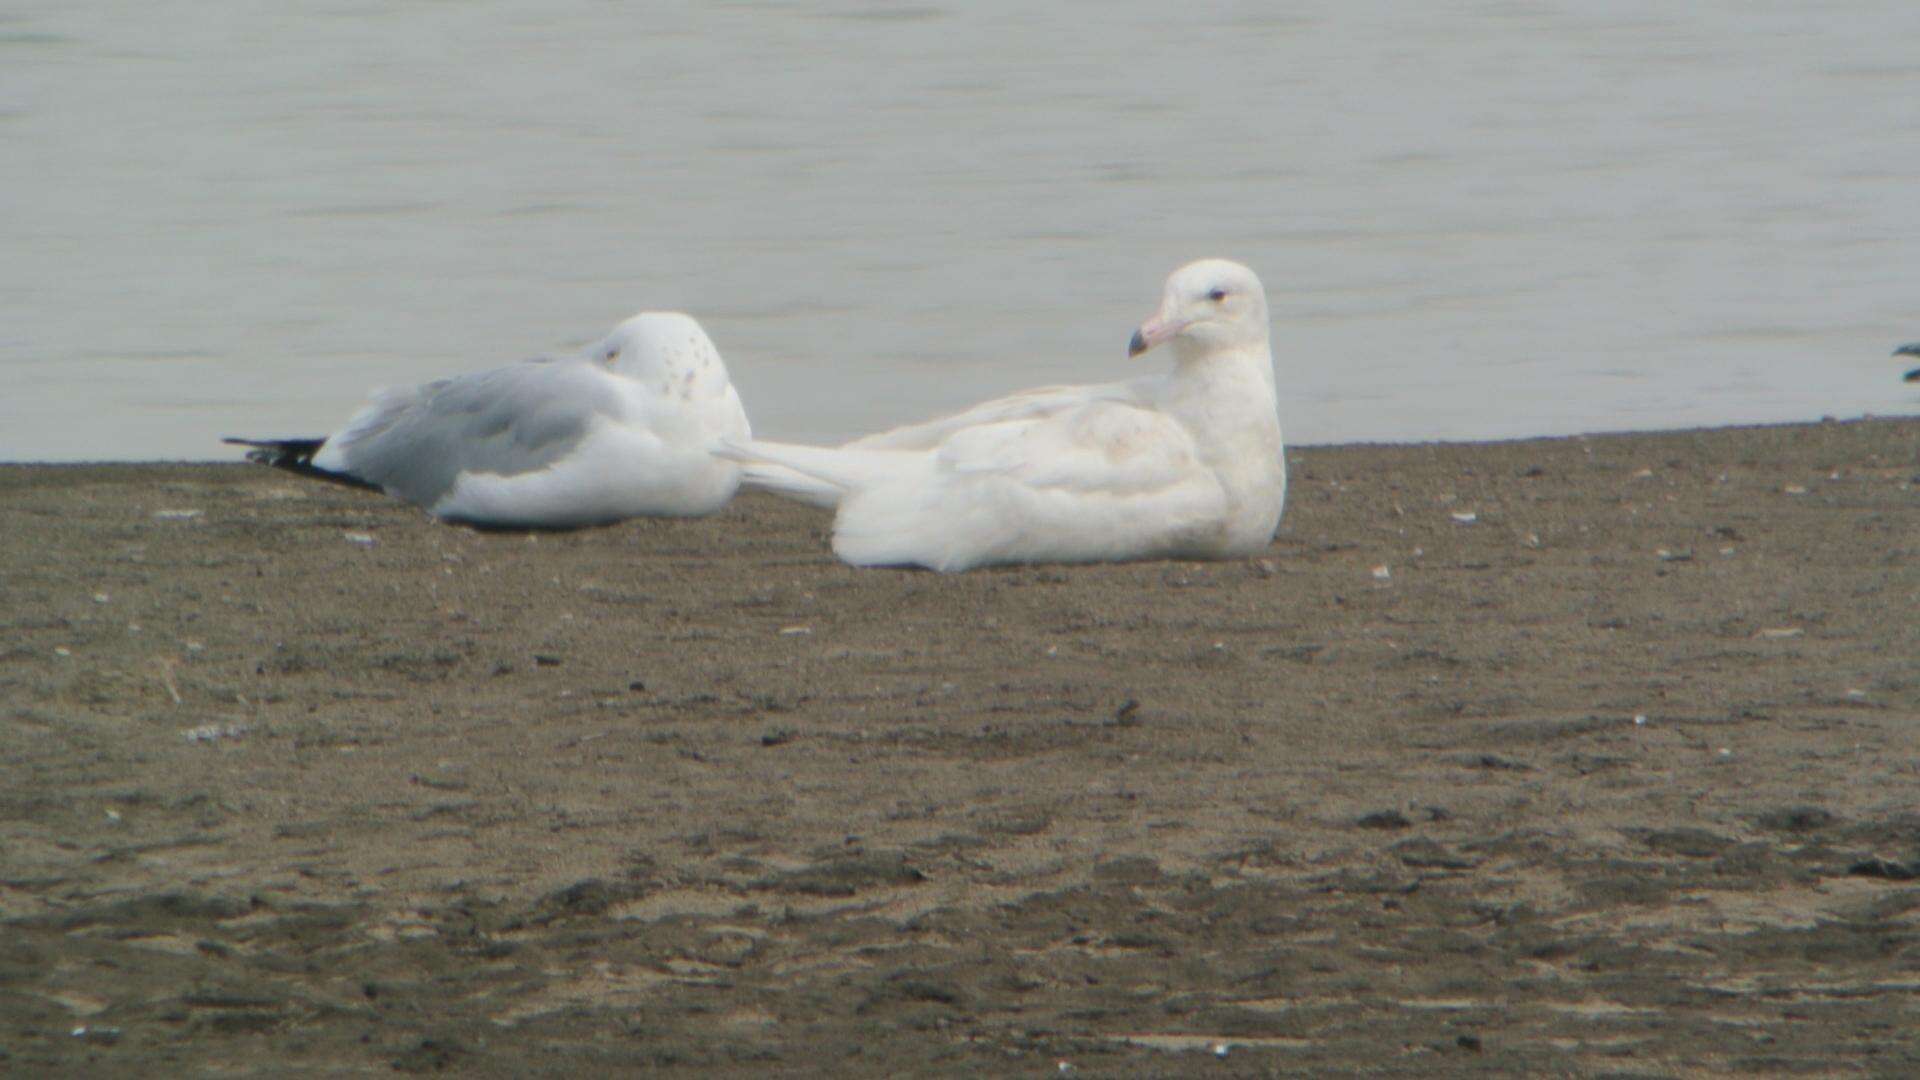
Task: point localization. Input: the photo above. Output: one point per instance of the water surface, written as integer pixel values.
(1474, 220)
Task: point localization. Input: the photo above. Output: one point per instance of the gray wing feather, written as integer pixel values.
(517, 419)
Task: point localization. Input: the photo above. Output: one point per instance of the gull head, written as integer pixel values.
(662, 346)
(1208, 305)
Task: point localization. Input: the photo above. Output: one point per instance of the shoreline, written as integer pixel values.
(1623, 433)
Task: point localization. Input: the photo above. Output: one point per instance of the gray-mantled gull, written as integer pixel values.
(1186, 464)
(622, 430)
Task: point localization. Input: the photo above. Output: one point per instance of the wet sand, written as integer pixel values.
(1580, 756)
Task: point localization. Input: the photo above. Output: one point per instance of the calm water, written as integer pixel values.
(1474, 220)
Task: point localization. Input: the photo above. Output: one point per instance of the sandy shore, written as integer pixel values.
(1584, 756)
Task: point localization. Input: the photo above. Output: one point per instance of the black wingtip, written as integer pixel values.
(1911, 348)
(295, 456)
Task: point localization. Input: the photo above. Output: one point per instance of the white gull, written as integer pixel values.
(1185, 464)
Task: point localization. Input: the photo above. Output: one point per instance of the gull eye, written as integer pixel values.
(1217, 295)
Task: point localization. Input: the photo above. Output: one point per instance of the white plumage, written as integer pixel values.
(1186, 464)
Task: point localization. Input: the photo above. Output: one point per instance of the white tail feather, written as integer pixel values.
(791, 484)
(819, 475)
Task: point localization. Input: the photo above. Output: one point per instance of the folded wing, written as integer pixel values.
(1106, 480)
(1032, 404)
(416, 442)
